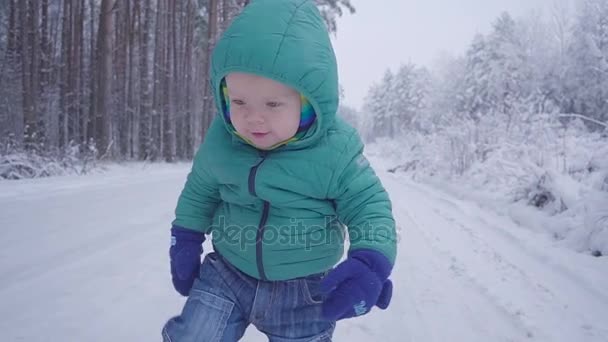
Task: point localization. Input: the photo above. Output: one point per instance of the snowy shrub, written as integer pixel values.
(596, 223)
(34, 162)
(598, 169)
(557, 167)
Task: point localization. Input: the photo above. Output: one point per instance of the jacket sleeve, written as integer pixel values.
(199, 198)
(362, 203)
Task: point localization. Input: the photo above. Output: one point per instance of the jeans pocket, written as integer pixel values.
(311, 290)
(204, 318)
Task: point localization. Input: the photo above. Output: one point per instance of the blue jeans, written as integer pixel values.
(224, 301)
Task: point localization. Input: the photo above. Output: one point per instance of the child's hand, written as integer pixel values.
(185, 252)
(356, 285)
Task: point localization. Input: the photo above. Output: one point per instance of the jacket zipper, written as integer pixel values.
(260, 233)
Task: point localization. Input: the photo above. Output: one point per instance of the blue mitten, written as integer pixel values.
(356, 285)
(185, 252)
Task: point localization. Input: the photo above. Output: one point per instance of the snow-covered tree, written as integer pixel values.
(393, 104)
(331, 9)
(543, 68)
(588, 59)
(378, 106)
(445, 100)
(507, 68)
(475, 99)
(411, 87)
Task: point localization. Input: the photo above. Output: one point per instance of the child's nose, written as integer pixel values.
(255, 117)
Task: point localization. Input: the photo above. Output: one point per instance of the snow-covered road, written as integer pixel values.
(86, 259)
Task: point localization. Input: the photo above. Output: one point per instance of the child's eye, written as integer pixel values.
(238, 102)
(273, 104)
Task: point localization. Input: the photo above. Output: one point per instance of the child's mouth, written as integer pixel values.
(259, 135)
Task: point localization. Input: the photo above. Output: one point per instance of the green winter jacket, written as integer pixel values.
(284, 213)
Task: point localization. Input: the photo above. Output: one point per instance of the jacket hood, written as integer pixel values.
(287, 41)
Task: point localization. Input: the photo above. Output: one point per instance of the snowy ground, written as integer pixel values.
(86, 259)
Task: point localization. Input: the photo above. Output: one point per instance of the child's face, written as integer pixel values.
(262, 110)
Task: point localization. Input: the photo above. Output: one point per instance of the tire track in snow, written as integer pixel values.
(508, 232)
(462, 301)
(547, 299)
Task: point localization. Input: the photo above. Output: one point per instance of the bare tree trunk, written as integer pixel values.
(212, 33)
(26, 32)
(191, 127)
(179, 77)
(159, 85)
(104, 70)
(75, 73)
(44, 82)
(144, 85)
(132, 106)
(81, 124)
(45, 59)
(12, 28)
(11, 101)
(120, 68)
(91, 119)
(34, 60)
(169, 80)
(54, 73)
(64, 90)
